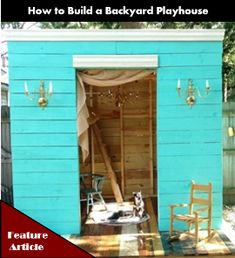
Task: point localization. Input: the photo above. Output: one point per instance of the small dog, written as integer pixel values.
(138, 209)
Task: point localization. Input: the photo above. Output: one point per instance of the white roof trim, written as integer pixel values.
(115, 61)
(115, 35)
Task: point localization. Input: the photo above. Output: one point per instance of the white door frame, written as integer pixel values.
(115, 61)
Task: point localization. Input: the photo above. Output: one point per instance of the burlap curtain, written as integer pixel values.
(99, 78)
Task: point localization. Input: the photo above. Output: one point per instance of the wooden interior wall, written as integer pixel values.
(128, 125)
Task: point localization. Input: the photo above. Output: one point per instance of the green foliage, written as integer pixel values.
(229, 59)
(62, 25)
(90, 25)
(12, 25)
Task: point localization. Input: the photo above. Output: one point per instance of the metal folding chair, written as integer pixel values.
(93, 192)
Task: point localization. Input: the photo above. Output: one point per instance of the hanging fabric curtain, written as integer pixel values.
(99, 78)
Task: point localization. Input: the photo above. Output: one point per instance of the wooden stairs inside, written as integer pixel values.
(107, 161)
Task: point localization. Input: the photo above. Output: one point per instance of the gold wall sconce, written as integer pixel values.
(191, 92)
(43, 94)
(231, 131)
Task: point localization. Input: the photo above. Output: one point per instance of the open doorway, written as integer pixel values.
(125, 116)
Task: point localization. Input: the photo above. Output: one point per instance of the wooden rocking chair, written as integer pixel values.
(196, 214)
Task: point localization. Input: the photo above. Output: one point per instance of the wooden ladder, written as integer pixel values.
(108, 164)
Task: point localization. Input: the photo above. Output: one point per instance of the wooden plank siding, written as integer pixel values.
(228, 154)
(64, 61)
(6, 162)
(45, 152)
(188, 140)
(86, 47)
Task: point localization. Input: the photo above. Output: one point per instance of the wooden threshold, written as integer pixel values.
(141, 240)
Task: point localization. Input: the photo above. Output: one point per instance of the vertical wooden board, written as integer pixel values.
(151, 84)
(123, 179)
(92, 138)
(228, 168)
(228, 141)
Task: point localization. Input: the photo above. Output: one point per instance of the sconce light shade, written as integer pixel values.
(231, 131)
(207, 86)
(178, 84)
(26, 90)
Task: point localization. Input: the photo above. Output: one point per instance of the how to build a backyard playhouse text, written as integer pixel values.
(124, 11)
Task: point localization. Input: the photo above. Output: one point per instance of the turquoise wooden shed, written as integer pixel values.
(183, 130)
